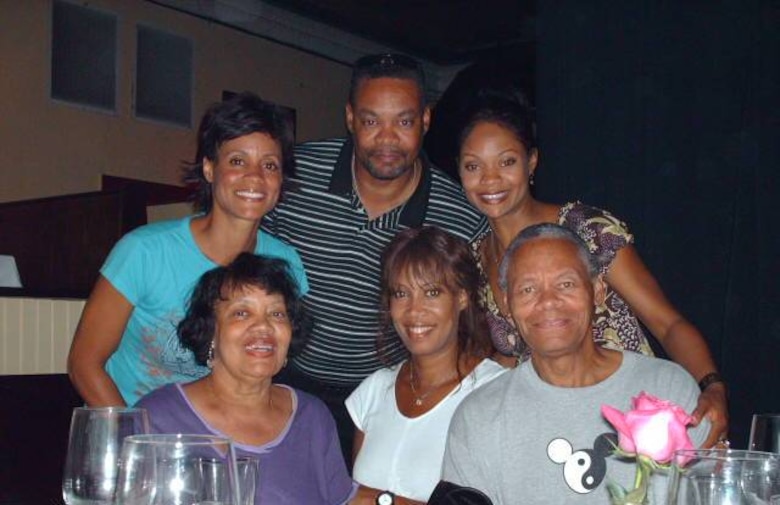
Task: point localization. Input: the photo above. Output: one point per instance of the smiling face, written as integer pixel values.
(387, 121)
(425, 314)
(246, 177)
(494, 168)
(552, 297)
(253, 333)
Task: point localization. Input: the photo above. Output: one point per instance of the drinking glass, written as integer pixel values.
(248, 469)
(724, 477)
(178, 470)
(765, 433)
(94, 446)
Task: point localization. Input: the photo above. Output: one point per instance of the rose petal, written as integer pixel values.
(618, 420)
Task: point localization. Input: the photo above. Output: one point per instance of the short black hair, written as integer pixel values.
(239, 115)
(375, 66)
(196, 330)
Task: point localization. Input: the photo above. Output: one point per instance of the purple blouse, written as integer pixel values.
(304, 464)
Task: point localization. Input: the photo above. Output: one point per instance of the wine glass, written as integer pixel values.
(724, 477)
(765, 433)
(94, 445)
(178, 470)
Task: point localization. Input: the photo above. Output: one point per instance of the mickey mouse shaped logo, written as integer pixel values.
(583, 469)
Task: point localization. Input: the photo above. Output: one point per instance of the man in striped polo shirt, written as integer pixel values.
(353, 196)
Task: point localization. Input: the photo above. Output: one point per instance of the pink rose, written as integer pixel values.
(653, 428)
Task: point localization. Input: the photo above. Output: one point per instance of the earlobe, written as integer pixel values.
(533, 160)
(505, 297)
(208, 170)
(463, 299)
(349, 116)
(599, 290)
(426, 119)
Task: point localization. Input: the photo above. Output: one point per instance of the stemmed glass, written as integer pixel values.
(94, 445)
(178, 470)
(724, 477)
(765, 433)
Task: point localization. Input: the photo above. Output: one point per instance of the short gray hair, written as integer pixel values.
(550, 231)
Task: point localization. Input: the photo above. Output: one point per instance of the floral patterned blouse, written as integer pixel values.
(614, 326)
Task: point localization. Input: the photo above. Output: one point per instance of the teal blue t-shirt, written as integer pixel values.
(155, 267)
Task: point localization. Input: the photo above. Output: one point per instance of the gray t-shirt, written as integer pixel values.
(524, 441)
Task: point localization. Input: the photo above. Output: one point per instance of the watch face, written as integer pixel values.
(385, 498)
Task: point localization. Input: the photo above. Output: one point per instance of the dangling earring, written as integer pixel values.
(210, 357)
(531, 178)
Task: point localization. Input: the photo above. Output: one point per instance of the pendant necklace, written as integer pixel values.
(420, 398)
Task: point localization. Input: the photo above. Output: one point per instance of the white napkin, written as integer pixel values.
(9, 275)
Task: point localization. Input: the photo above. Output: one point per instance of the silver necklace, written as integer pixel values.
(420, 398)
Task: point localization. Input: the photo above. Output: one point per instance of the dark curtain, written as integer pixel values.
(666, 113)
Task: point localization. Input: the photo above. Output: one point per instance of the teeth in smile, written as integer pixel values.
(260, 347)
(250, 194)
(419, 329)
(494, 196)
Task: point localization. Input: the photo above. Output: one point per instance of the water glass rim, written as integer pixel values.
(766, 414)
(119, 409)
(724, 454)
(177, 439)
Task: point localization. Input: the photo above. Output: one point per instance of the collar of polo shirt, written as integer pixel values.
(415, 208)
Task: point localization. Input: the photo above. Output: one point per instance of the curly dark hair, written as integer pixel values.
(242, 114)
(196, 330)
(432, 254)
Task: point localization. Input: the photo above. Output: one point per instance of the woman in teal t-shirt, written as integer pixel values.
(125, 344)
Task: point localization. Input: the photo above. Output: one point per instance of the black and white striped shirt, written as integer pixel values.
(325, 221)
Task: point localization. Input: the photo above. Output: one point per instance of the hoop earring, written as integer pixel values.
(210, 357)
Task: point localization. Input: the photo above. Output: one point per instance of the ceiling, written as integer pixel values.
(444, 32)
(445, 35)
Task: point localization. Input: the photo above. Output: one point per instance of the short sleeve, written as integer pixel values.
(604, 234)
(126, 267)
(335, 484)
(358, 402)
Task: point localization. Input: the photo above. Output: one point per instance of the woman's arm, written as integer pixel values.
(97, 336)
(631, 279)
(367, 496)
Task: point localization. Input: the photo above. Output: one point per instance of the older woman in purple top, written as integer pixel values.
(241, 322)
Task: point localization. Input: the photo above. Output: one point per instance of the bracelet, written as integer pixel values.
(710, 379)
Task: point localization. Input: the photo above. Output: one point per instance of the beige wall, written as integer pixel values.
(49, 148)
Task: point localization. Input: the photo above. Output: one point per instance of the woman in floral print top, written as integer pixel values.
(497, 159)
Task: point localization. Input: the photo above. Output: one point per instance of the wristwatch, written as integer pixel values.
(385, 498)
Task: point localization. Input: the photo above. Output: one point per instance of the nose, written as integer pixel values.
(260, 323)
(490, 174)
(254, 170)
(549, 298)
(387, 134)
(415, 305)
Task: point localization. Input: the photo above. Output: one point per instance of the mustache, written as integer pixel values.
(386, 151)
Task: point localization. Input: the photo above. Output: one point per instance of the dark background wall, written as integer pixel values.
(666, 113)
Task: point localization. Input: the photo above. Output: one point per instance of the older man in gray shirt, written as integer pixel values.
(536, 435)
